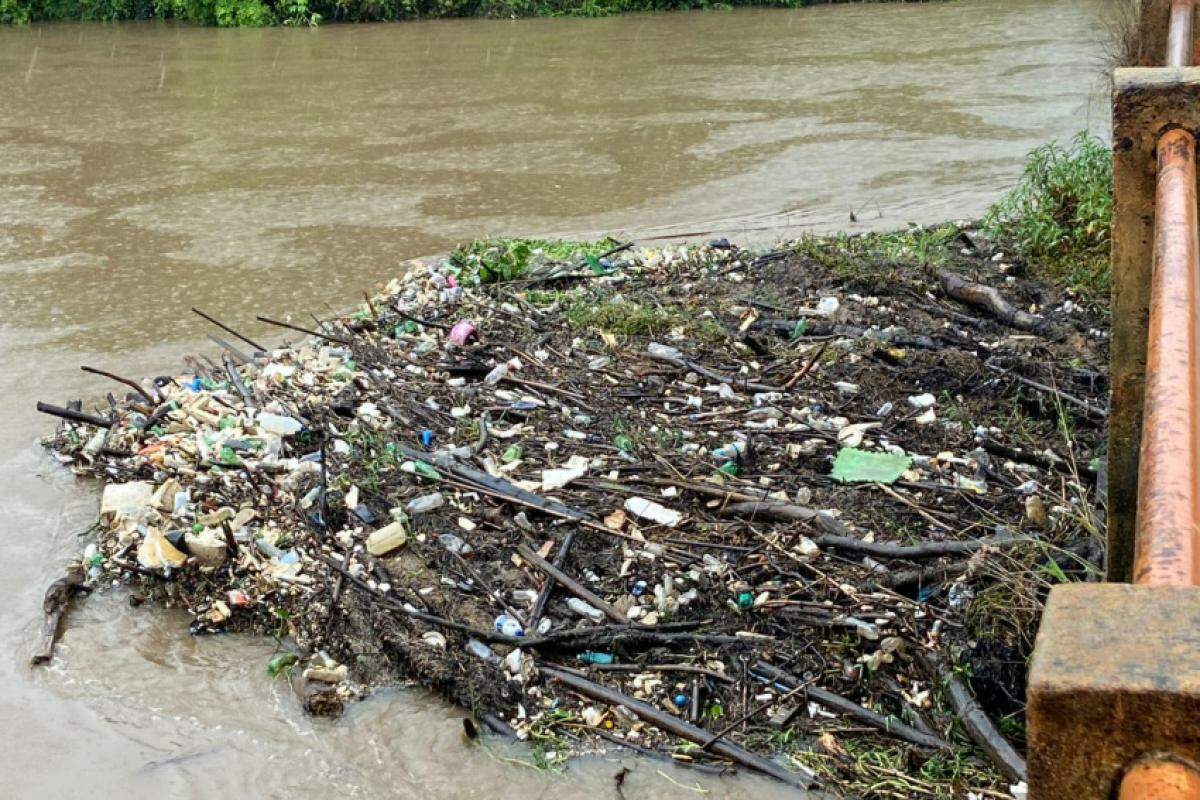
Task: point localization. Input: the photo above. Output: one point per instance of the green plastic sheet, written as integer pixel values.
(862, 466)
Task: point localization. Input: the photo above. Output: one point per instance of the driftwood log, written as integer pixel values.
(55, 604)
(990, 300)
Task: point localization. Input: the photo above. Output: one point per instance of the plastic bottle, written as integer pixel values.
(498, 373)
(730, 452)
(425, 503)
(481, 650)
(454, 544)
(595, 658)
(278, 424)
(585, 610)
(508, 626)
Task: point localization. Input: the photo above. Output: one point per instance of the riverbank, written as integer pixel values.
(302, 13)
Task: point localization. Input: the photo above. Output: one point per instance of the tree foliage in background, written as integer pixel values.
(1060, 213)
(310, 12)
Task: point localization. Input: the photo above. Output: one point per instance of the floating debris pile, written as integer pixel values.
(727, 508)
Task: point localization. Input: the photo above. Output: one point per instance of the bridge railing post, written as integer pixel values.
(1114, 684)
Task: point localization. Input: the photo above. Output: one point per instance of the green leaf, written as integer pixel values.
(861, 466)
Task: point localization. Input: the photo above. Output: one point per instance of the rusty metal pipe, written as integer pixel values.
(1160, 779)
(1166, 551)
(1179, 33)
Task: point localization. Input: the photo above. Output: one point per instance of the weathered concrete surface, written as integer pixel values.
(1146, 102)
(1115, 676)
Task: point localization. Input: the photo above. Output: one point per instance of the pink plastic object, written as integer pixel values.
(462, 332)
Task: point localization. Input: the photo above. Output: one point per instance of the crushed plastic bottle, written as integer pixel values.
(481, 650)
(730, 452)
(278, 424)
(454, 544)
(508, 626)
(425, 503)
(584, 609)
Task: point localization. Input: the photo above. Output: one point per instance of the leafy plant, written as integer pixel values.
(312, 12)
(1060, 213)
(497, 260)
(13, 12)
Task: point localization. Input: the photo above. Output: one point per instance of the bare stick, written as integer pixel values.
(74, 416)
(1094, 411)
(773, 509)
(153, 401)
(297, 328)
(236, 379)
(687, 363)
(685, 668)
(570, 584)
(229, 330)
(915, 551)
(560, 558)
(976, 721)
(233, 351)
(754, 712)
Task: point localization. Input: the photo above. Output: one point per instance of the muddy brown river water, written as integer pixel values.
(147, 168)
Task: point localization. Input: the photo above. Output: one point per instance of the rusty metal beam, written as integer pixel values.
(1168, 513)
(1146, 103)
(1180, 34)
(1155, 29)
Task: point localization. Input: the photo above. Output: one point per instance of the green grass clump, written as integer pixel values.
(623, 317)
(867, 256)
(497, 260)
(1059, 215)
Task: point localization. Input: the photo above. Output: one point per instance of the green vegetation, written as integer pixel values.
(497, 260)
(1059, 215)
(256, 13)
(866, 257)
(623, 317)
